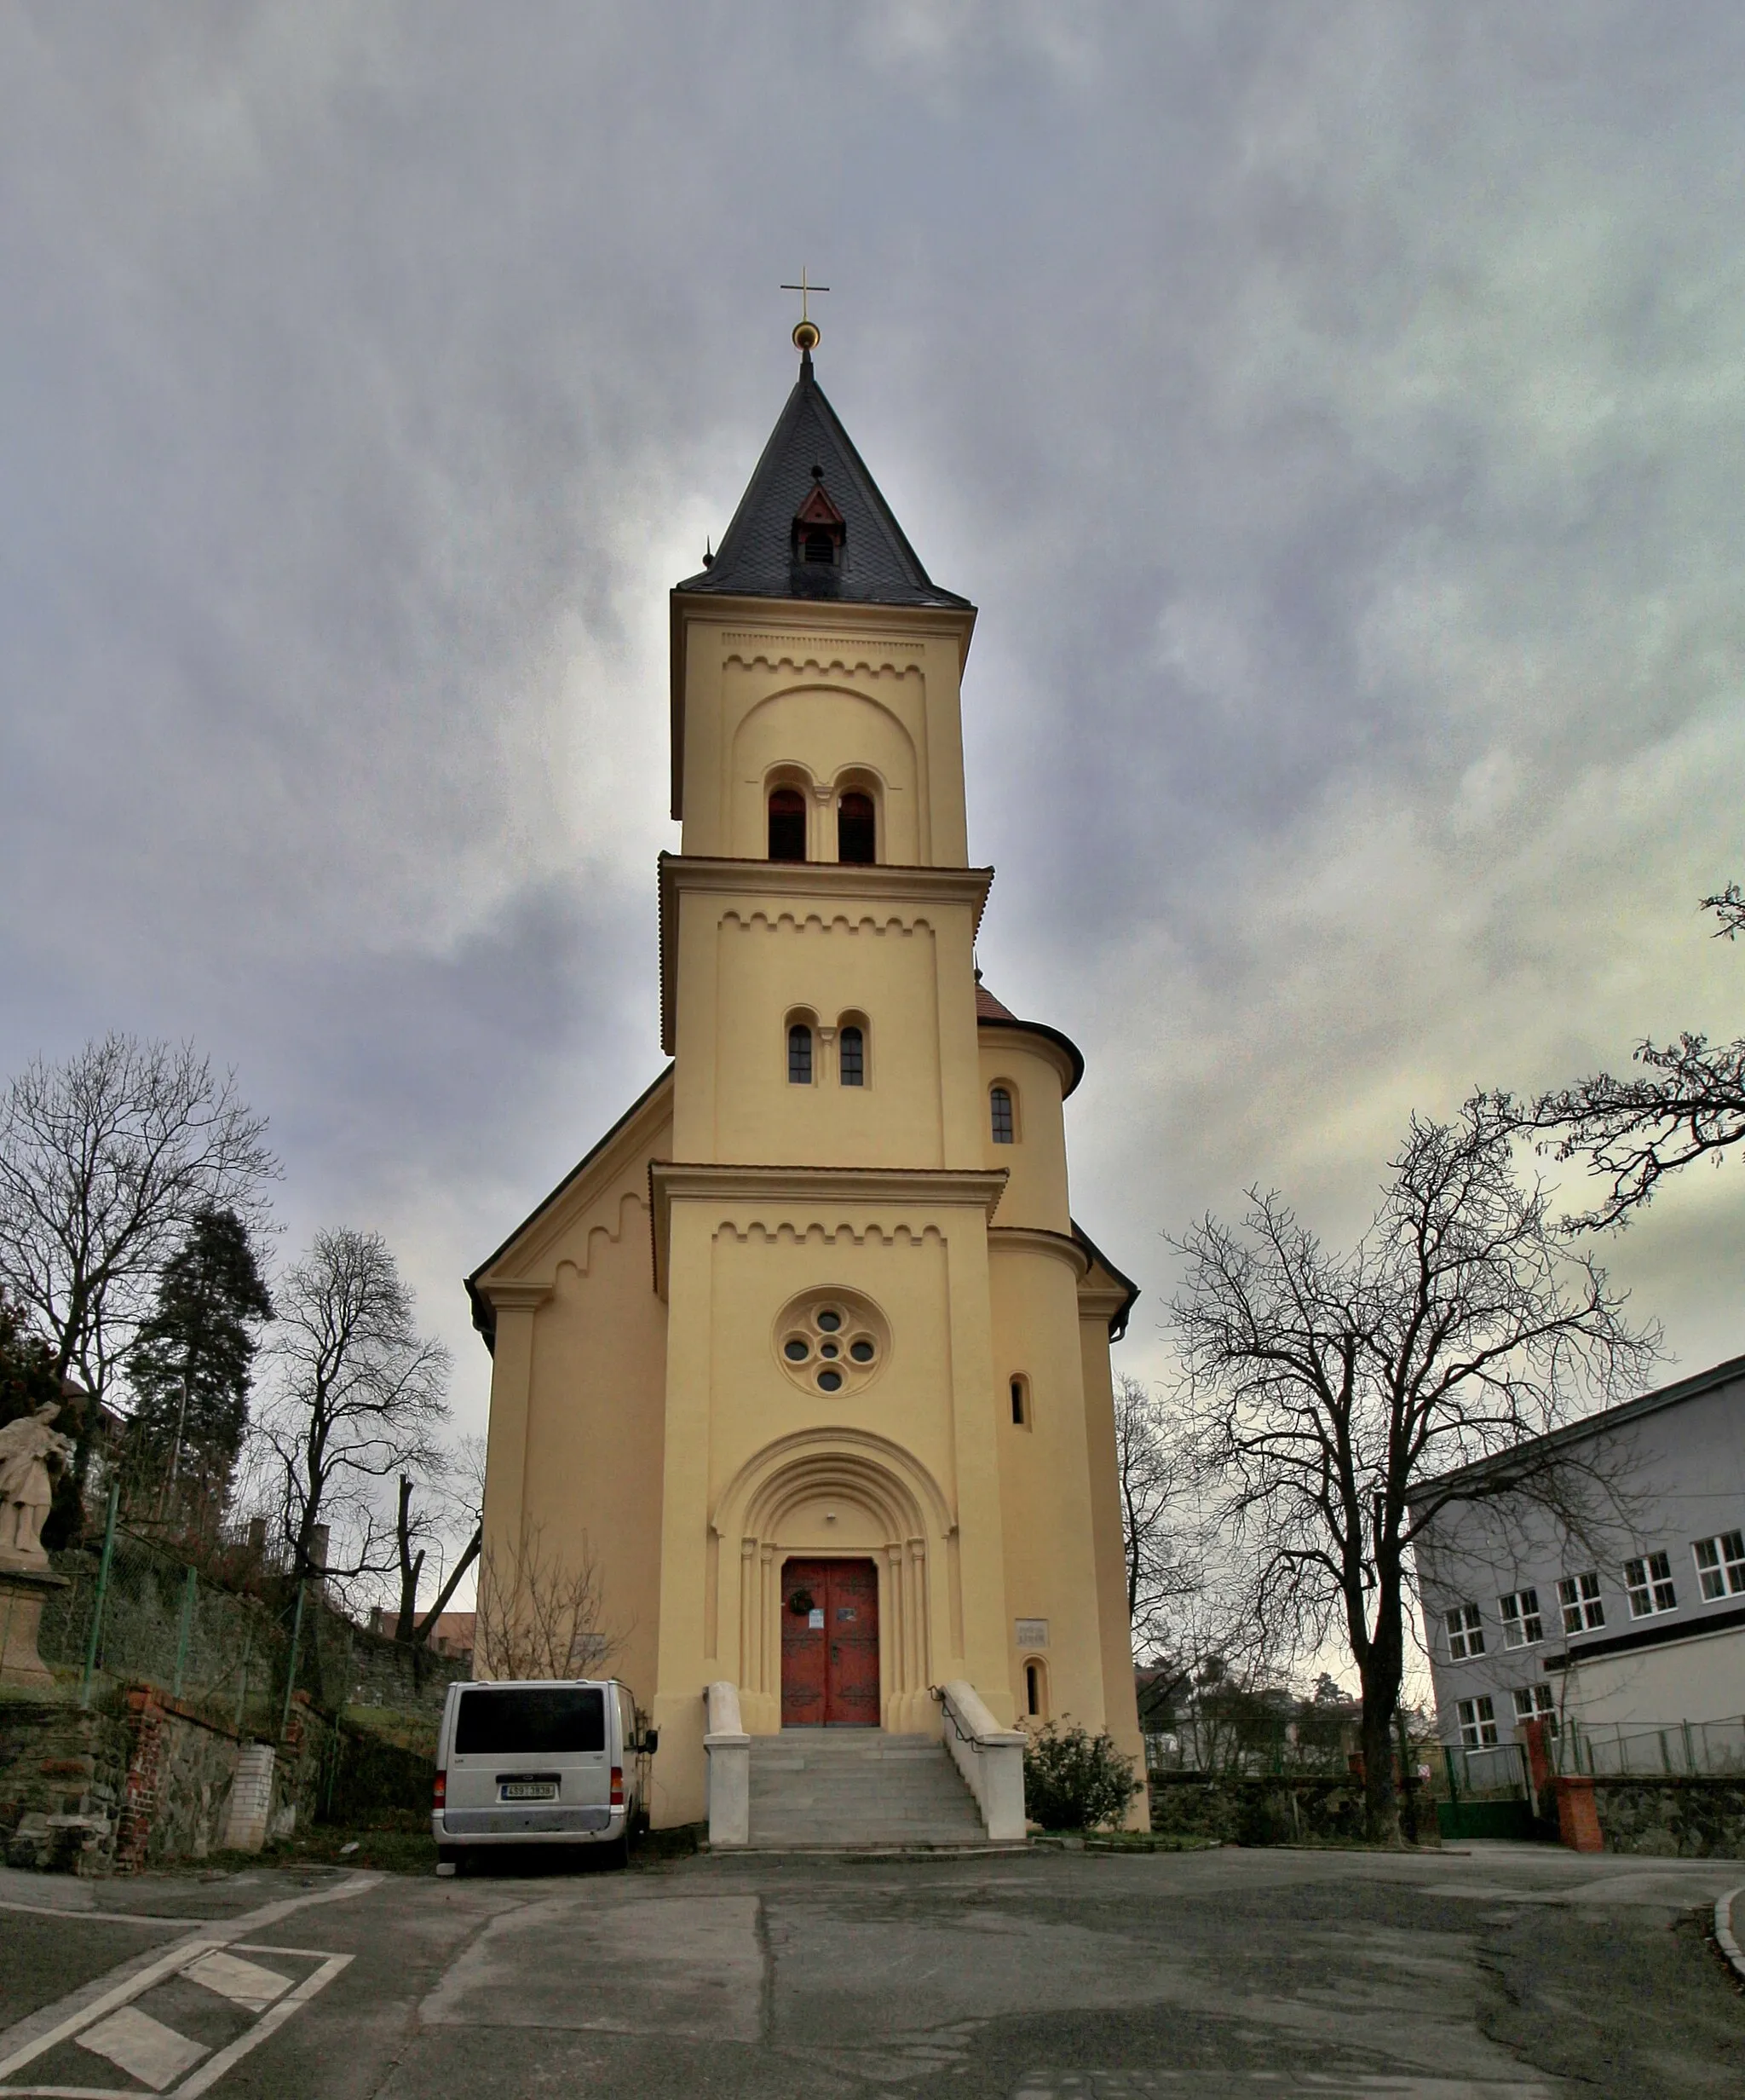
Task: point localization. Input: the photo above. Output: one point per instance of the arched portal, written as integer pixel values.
(826, 1495)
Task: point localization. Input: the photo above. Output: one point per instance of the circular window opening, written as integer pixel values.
(831, 1341)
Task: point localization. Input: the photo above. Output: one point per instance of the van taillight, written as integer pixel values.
(617, 1786)
(440, 1791)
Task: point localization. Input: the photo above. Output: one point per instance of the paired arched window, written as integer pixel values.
(851, 1056)
(857, 828)
(1002, 1120)
(799, 1054)
(787, 824)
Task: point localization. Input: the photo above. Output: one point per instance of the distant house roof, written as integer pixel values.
(810, 465)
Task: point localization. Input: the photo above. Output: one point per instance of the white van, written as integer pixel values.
(551, 1762)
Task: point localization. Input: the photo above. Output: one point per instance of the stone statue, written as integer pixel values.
(30, 1453)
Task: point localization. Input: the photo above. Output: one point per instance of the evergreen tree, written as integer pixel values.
(27, 1380)
(192, 1367)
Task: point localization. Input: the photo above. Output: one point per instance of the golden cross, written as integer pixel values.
(805, 290)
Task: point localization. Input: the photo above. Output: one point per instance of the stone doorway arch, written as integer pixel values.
(842, 1494)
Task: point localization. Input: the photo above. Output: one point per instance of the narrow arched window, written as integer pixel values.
(1020, 1405)
(857, 828)
(787, 824)
(999, 1103)
(851, 1057)
(799, 1055)
(1032, 1689)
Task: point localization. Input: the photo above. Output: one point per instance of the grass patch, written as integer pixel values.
(407, 1730)
(382, 1851)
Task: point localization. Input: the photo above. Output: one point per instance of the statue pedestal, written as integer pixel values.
(23, 1593)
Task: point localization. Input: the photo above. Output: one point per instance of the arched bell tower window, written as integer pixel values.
(787, 824)
(857, 828)
(799, 1055)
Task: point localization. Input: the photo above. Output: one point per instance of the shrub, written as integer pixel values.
(1076, 1781)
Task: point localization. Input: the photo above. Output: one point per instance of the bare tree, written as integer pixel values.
(540, 1612)
(417, 1527)
(1634, 1132)
(105, 1164)
(1330, 1394)
(1161, 1570)
(357, 1398)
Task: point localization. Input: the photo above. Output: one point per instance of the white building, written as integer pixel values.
(1640, 1623)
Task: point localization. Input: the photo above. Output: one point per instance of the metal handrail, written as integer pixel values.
(938, 1692)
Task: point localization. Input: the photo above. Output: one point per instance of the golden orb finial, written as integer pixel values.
(806, 330)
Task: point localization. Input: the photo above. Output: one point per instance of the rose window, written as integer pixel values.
(833, 1343)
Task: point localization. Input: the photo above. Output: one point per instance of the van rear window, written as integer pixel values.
(502, 1724)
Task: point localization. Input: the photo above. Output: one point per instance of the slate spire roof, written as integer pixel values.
(759, 552)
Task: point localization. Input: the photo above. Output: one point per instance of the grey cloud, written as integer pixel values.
(1335, 412)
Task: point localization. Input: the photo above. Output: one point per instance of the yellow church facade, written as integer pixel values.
(812, 1329)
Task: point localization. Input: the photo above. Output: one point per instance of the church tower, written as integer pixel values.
(808, 1350)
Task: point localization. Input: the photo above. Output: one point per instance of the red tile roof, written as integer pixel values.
(988, 1008)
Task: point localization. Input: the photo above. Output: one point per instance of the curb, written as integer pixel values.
(1724, 1931)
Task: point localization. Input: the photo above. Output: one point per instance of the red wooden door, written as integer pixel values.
(829, 1644)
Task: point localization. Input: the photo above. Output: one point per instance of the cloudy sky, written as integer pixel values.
(1335, 411)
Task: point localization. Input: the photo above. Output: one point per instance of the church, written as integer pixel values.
(808, 1354)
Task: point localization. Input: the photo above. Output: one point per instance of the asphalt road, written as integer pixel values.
(1504, 1973)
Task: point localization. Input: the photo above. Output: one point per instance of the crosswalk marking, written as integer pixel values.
(245, 1983)
(143, 2047)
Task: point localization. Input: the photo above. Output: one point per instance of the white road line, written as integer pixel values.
(268, 2023)
(156, 2054)
(1723, 1929)
(101, 1917)
(215, 1933)
(245, 1983)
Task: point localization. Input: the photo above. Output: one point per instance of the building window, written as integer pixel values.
(799, 1055)
(851, 1057)
(1000, 1102)
(787, 824)
(1035, 1692)
(1720, 1565)
(1578, 1596)
(1522, 1624)
(1534, 1702)
(857, 828)
(1648, 1582)
(1465, 1632)
(1021, 1403)
(1477, 1724)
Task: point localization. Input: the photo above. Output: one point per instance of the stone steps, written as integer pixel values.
(837, 1788)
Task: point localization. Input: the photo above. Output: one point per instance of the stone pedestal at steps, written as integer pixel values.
(23, 1593)
(843, 1787)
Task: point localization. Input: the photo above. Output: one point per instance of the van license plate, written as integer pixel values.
(527, 1789)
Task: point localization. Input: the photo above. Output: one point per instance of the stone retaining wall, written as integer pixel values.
(1674, 1817)
(138, 1779)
